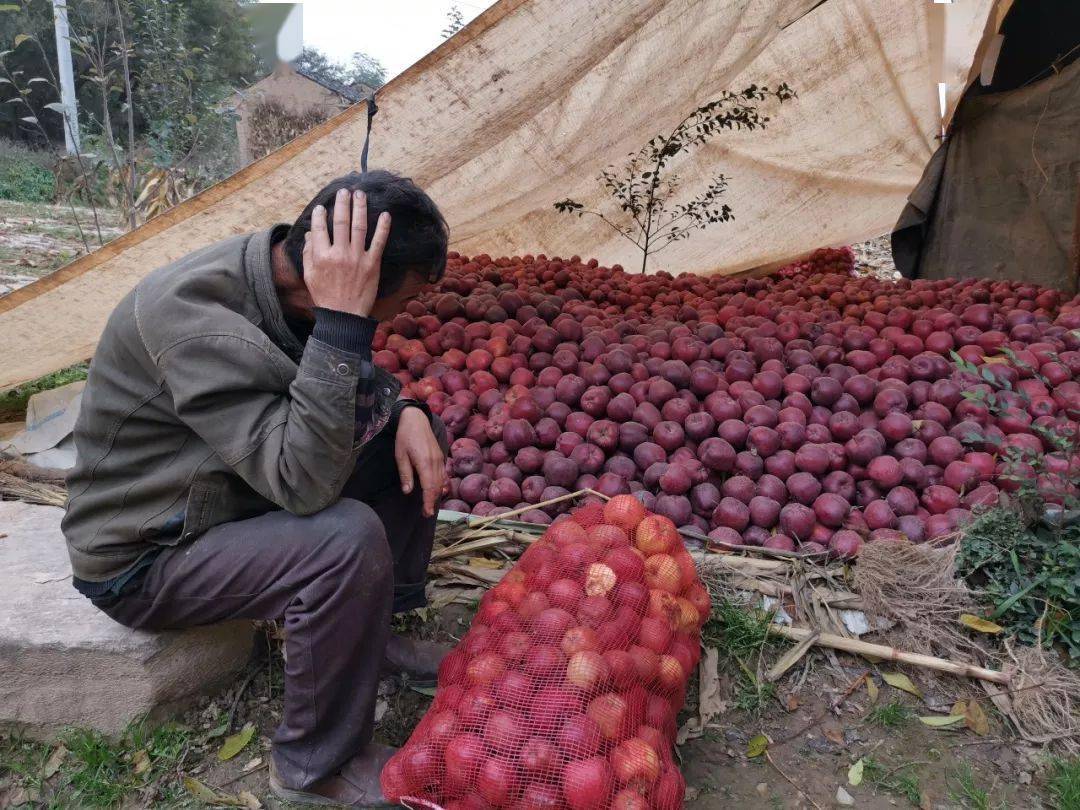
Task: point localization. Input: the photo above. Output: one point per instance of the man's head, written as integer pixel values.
(416, 252)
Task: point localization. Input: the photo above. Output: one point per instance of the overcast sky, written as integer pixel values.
(397, 33)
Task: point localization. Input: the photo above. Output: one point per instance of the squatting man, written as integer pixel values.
(240, 456)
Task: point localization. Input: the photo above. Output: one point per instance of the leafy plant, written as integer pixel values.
(753, 694)
(361, 69)
(1024, 555)
(1029, 572)
(1032, 474)
(739, 633)
(969, 794)
(899, 781)
(890, 715)
(455, 21)
(23, 176)
(85, 769)
(644, 189)
(1064, 784)
(736, 630)
(13, 402)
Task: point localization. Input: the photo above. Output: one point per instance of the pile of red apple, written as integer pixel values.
(822, 260)
(565, 690)
(816, 412)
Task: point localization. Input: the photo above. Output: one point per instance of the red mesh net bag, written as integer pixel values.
(564, 692)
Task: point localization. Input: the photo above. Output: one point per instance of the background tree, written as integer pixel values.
(188, 57)
(150, 77)
(455, 21)
(215, 30)
(645, 187)
(362, 68)
(367, 70)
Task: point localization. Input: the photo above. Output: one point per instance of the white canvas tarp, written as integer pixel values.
(529, 102)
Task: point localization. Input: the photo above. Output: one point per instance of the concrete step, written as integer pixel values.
(64, 663)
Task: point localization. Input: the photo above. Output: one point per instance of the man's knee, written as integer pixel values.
(353, 535)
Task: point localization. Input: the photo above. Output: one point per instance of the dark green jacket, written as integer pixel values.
(203, 407)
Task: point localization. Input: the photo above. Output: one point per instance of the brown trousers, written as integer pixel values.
(335, 577)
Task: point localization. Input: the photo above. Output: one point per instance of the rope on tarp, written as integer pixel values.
(372, 108)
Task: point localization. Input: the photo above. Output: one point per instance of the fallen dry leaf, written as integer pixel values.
(898, 680)
(855, 773)
(140, 762)
(236, 743)
(484, 562)
(833, 733)
(941, 721)
(52, 765)
(980, 624)
(871, 689)
(710, 702)
(200, 791)
(975, 719)
(757, 746)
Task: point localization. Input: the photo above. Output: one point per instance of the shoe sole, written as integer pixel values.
(313, 799)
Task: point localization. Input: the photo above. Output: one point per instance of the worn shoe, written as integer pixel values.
(355, 785)
(409, 656)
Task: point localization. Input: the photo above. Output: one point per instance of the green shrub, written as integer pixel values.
(1029, 572)
(25, 173)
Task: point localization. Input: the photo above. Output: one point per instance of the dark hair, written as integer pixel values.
(418, 232)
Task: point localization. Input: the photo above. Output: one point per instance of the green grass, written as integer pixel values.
(898, 781)
(97, 772)
(1064, 784)
(23, 178)
(13, 402)
(753, 696)
(736, 630)
(740, 634)
(969, 794)
(100, 776)
(890, 715)
(23, 761)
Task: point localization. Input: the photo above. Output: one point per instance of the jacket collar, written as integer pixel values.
(260, 277)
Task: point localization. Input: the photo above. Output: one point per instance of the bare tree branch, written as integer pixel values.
(645, 185)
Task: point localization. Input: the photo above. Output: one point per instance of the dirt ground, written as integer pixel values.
(37, 238)
(811, 747)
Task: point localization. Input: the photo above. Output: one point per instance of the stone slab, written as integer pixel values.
(64, 663)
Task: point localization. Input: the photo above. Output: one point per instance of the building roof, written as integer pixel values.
(353, 94)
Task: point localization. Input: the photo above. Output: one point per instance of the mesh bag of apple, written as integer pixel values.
(565, 690)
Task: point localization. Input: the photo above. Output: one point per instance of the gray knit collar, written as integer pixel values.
(260, 276)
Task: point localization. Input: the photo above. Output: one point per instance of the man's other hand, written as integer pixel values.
(344, 275)
(418, 455)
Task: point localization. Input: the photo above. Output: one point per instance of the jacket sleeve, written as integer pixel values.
(295, 449)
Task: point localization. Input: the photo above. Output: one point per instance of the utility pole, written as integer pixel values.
(67, 78)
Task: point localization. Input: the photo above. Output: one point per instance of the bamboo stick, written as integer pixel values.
(891, 653)
(742, 564)
(487, 521)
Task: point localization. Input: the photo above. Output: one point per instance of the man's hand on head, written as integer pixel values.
(343, 275)
(418, 455)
